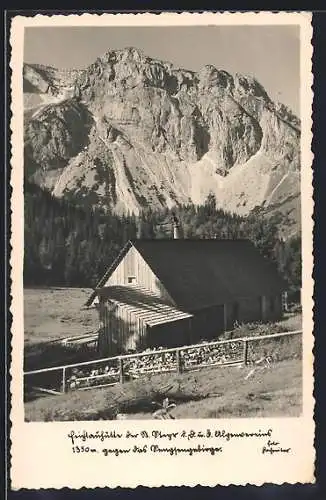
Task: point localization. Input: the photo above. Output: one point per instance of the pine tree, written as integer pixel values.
(73, 246)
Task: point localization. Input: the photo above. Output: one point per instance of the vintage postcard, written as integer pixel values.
(162, 250)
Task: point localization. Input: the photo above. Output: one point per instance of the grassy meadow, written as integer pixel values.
(226, 392)
(52, 313)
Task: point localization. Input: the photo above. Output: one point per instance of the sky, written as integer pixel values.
(269, 53)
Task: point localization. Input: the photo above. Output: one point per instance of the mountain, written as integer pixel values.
(131, 132)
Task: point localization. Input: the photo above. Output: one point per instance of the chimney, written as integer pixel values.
(176, 227)
(175, 232)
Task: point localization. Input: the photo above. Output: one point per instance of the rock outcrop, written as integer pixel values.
(130, 131)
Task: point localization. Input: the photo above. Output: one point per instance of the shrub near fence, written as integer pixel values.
(99, 373)
(279, 348)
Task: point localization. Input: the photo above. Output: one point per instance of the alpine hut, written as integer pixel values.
(180, 291)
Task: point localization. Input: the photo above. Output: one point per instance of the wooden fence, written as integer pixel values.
(109, 371)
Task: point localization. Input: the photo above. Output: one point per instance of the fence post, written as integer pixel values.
(121, 372)
(245, 352)
(178, 359)
(64, 382)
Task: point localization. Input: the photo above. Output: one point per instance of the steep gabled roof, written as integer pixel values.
(108, 273)
(203, 273)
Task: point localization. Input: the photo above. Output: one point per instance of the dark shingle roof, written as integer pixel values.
(202, 273)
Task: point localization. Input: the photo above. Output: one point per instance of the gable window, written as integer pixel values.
(131, 279)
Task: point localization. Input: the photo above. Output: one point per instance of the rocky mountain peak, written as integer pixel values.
(163, 135)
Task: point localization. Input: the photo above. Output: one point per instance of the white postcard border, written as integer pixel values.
(40, 453)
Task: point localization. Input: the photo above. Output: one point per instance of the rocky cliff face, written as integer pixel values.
(130, 131)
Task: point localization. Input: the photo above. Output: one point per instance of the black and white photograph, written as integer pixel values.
(164, 222)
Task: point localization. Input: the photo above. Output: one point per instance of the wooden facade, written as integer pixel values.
(137, 310)
(133, 270)
(124, 330)
(127, 327)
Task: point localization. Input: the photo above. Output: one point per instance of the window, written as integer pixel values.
(131, 279)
